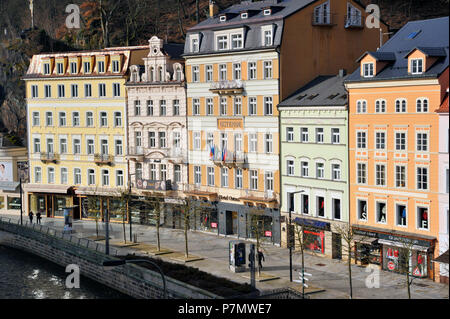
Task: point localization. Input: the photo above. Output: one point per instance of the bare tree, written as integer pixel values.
(189, 209)
(94, 207)
(107, 10)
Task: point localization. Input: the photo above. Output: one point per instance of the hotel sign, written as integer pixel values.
(233, 124)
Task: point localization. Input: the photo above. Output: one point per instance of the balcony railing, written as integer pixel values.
(136, 153)
(227, 87)
(49, 157)
(228, 158)
(353, 21)
(320, 19)
(177, 156)
(103, 159)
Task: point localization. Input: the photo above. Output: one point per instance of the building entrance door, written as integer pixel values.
(77, 208)
(228, 223)
(336, 249)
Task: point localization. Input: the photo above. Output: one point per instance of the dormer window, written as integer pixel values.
(368, 70)
(416, 66)
(267, 12)
(244, 15)
(267, 35)
(222, 42)
(115, 66)
(87, 67)
(223, 18)
(195, 43)
(46, 68)
(60, 68)
(322, 14)
(236, 41)
(101, 66)
(353, 17)
(73, 67)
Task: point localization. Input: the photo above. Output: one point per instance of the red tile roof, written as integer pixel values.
(444, 106)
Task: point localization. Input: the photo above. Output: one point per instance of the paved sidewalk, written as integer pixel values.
(328, 274)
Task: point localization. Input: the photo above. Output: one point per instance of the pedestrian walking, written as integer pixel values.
(31, 217)
(260, 259)
(38, 218)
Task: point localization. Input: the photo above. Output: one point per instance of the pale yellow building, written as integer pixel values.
(77, 129)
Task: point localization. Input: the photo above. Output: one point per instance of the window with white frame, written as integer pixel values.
(210, 139)
(51, 175)
(48, 91)
(195, 106)
(91, 177)
(238, 142)
(336, 208)
(353, 16)
(380, 140)
(400, 106)
(222, 42)
(63, 145)
(223, 141)
(268, 143)
(319, 135)
(149, 107)
(290, 168)
(322, 14)
(304, 169)
(252, 70)
(268, 105)
(253, 179)
(37, 175)
(176, 107)
(36, 119)
(236, 71)
(253, 142)
(118, 147)
(237, 41)
(380, 106)
(252, 106)
(239, 178)
(361, 173)
(87, 67)
(116, 89)
(380, 175)
(73, 67)
(423, 218)
(195, 47)
(77, 176)
(268, 74)
(89, 119)
(269, 181)
(304, 135)
(103, 119)
(176, 140)
(195, 74)
(335, 136)
(115, 66)
(422, 105)
(289, 134)
(138, 170)
(222, 72)
(102, 89)
(60, 68)
(209, 106)
(197, 141)
(400, 176)
(117, 119)
(49, 118)
(402, 214)
(151, 139)
(223, 106)
(422, 142)
(336, 172)
(320, 206)
(105, 177)
(119, 178)
(62, 119)
(209, 73)
(61, 90)
(361, 141)
(90, 144)
(37, 145)
(104, 149)
(50, 148)
(153, 172)
(320, 170)
(422, 178)
(237, 105)
(368, 70)
(76, 118)
(46, 68)
(381, 212)
(163, 172)
(177, 173)
(137, 108)
(74, 90)
(400, 141)
(162, 139)
(224, 175)
(211, 176)
(101, 66)
(34, 91)
(361, 106)
(268, 37)
(416, 66)
(76, 146)
(362, 209)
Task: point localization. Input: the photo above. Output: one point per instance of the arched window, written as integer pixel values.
(380, 106)
(422, 105)
(152, 74)
(178, 74)
(160, 74)
(361, 106)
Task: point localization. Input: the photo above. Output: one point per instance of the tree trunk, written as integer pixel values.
(123, 225)
(158, 217)
(186, 240)
(350, 268)
(197, 5)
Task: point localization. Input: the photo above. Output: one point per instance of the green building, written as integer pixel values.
(314, 163)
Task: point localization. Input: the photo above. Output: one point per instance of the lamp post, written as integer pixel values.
(115, 263)
(290, 233)
(21, 202)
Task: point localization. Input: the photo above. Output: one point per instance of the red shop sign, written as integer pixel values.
(213, 225)
(391, 265)
(268, 233)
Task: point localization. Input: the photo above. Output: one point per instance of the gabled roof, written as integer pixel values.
(444, 106)
(430, 35)
(429, 51)
(174, 50)
(379, 56)
(325, 90)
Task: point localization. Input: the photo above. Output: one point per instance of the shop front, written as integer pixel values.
(49, 201)
(396, 252)
(315, 235)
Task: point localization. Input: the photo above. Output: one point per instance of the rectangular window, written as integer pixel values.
(162, 108)
(36, 119)
(104, 149)
(305, 204)
(48, 91)
(177, 173)
(224, 175)
(74, 90)
(196, 106)
(197, 141)
(151, 139)
(91, 177)
(64, 175)
(304, 135)
(50, 148)
(361, 173)
(381, 212)
(209, 73)
(137, 108)
(400, 141)
(63, 146)
(119, 178)
(422, 142)
(368, 69)
(401, 214)
(239, 178)
(163, 172)
(320, 207)
(252, 70)
(115, 66)
(77, 146)
(37, 175)
(253, 179)
(268, 105)
(362, 209)
(103, 119)
(101, 66)
(176, 107)
(268, 143)
(253, 142)
(61, 91)
(380, 175)
(238, 142)
(90, 147)
(149, 108)
(422, 218)
(118, 147)
(223, 106)
(46, 68)
(336, 172)
(237, 106)
(116, 89)
(73, 67)
(361, 140)
(336, 208)
(222, 72)
(400, 176)
(102, 90)
(268, 38)
(211, 176)
(237, 41)
(209, 106)
(267, 70)
(76, 118)
(195, 74)
(89, 119)
(48, 118)
(51, 175)
(305, 169)
(290, 134)
(269, 181)
(60, 68)
(62, 119)
(319, 135)
(153, 172)
(422, 178)
(380, 140)
(162, 139)
(177, 140)
(222, 42)
(37, 145)
(77, 176)
(138, 139)
(236, 71)
(336, 136)
(86, 67)
(290, 168)
(320, 170)
(210, 139)
(416, 66)
(252, 106)
(195, 46)
(117, 119)
(34, 91)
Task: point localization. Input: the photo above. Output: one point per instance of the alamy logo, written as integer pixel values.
(373, 19)
(73, 279)
(73, 19)
(373, 280)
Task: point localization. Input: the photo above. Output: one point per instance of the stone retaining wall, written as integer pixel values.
(132, 280)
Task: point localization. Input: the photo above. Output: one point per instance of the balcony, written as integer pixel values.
(201, 192)
(323, 20)
(177, 156)
(233, 87)
(228, 158)
(103, 159)
(260, 199)
(353, 21)
(49, 157)
(136, 154)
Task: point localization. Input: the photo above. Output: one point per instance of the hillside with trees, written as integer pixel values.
(106, 23)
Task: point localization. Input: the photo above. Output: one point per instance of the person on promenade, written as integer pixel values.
(31, 217)
(38, 218)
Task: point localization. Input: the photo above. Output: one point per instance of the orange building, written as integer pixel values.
(394, 148)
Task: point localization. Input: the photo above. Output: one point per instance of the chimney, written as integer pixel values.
(213, 9)
(342, 73)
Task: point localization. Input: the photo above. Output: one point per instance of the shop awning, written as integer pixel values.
(9, 186)
(442, 258)
(100, 191)
(364, 239)
(402, 245)
(43, 188)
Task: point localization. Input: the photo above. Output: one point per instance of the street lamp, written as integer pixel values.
(290, 233)
(115, 263)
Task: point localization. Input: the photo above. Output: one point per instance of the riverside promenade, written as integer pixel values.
(329, 278)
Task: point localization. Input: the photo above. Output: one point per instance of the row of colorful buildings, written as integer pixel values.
(256, 118)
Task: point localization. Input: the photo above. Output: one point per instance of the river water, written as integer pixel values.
(25, 276)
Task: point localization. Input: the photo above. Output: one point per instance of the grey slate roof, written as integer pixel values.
(174, 50)
(325, 90)
(252, 25)
(380, 56)
(431, 35)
